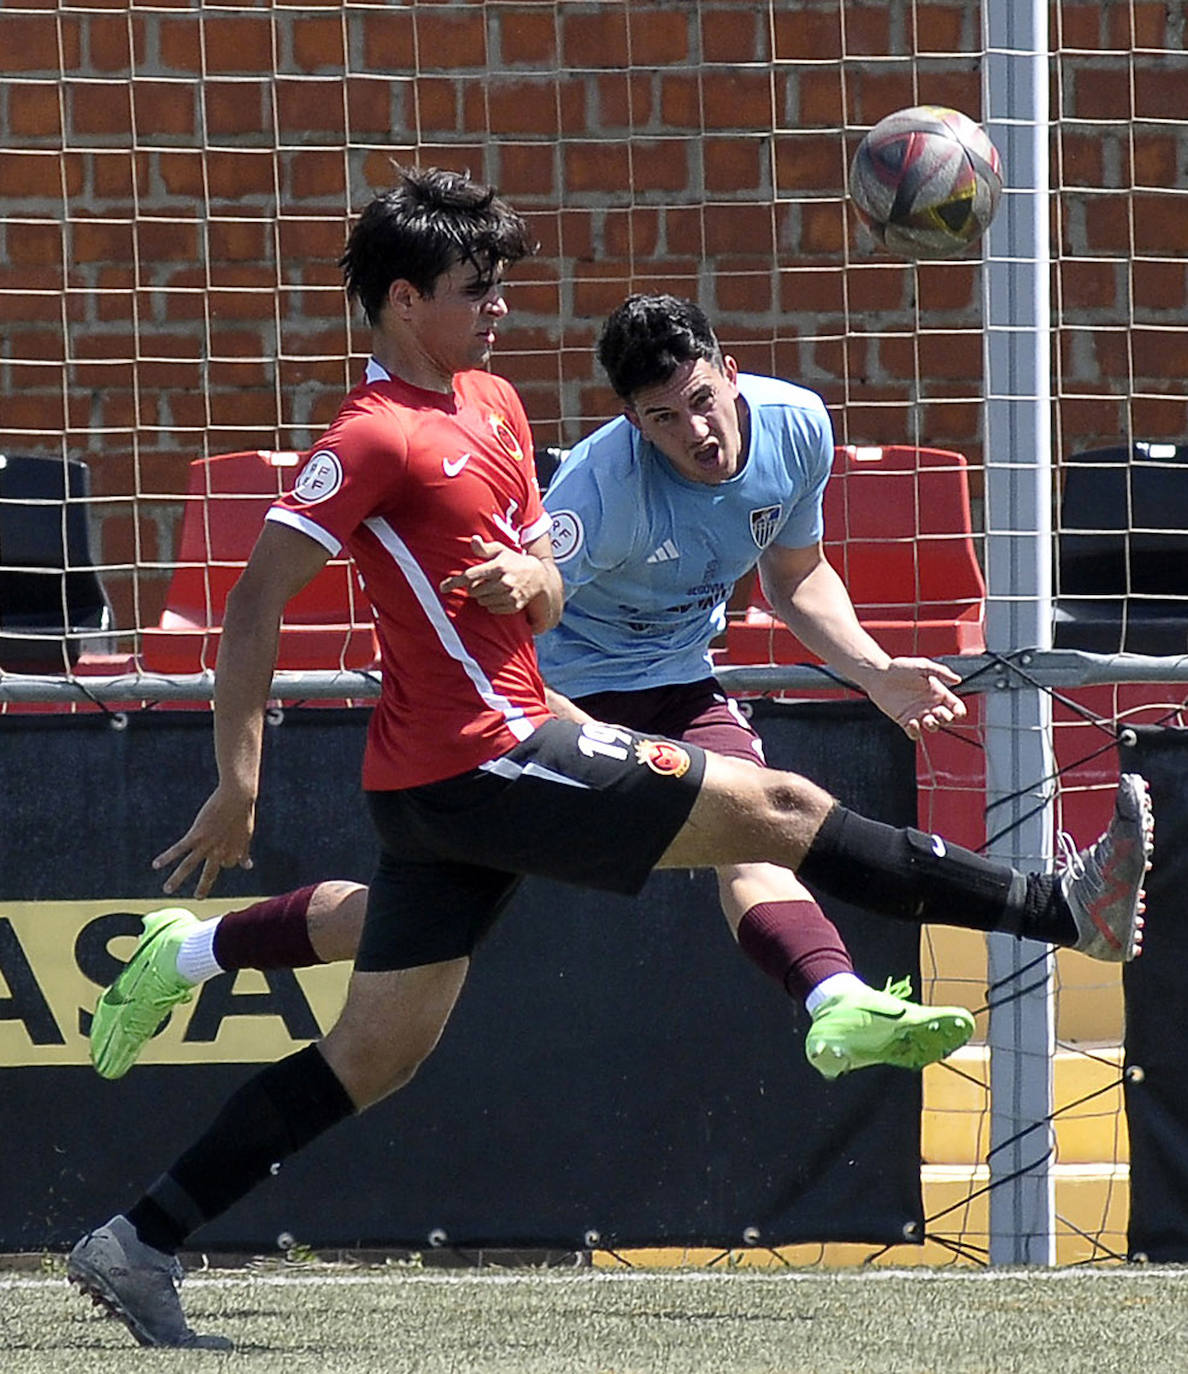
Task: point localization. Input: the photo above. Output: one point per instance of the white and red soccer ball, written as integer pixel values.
(926, 182)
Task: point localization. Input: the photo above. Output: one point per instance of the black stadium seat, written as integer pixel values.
(1123, 551)
(548, 460)
(51, 599)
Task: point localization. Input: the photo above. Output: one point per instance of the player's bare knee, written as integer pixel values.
(338, 898)
(369, 1069)
(335, 919)
(389, 1026)
(793, 806)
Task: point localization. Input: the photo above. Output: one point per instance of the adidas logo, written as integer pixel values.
(665, 553)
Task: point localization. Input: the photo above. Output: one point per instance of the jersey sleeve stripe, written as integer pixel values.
(536, 529)
(426, 594)
(296, 521)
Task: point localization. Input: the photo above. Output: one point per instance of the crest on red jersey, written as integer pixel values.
(506, 436)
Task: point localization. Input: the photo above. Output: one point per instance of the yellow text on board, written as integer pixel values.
(56, 958)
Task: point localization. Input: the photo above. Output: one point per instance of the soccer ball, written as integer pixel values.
(926, 182)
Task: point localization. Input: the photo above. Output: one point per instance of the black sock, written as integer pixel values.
(924, 879)
(272, 1116)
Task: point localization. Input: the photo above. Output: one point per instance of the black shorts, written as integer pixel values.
(694, 712)
(594, 805)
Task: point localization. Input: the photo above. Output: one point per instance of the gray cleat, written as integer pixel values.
(1103, 885)
(137, 1284)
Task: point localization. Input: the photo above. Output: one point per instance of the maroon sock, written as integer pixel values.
(795, 943)
(268, 934)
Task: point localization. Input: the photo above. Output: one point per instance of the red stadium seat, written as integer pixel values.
(898, 530)
(327, 625)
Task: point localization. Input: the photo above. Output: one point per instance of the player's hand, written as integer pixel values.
(915, 693)
(503, 583)
(220, 837)
(564, 709)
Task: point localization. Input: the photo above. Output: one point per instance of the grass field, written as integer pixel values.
(340, 1320)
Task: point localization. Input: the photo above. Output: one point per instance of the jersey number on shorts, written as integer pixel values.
(607, 740)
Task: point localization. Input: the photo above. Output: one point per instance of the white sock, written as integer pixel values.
(830, 987)
(195, 955)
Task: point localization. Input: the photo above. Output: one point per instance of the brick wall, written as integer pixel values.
(176, 185)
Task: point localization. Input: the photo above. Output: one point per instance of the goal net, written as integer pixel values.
(178, 181)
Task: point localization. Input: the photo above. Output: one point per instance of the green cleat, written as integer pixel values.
(131, 1010)
(862, 1027)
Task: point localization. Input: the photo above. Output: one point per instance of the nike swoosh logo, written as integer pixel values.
(114, 996)
(452, 467)
(887, 1015)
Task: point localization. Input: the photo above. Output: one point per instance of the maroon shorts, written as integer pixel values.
(697, 712)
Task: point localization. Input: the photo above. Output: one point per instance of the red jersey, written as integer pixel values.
(404, 478)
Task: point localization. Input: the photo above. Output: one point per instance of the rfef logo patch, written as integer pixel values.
(565, 534)
(319, 478)
(663, 757)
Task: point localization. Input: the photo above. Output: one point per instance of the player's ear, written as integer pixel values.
(401, 295)
(632, 416)
(730, 368)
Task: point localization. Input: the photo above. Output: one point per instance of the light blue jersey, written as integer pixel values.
(649, 557)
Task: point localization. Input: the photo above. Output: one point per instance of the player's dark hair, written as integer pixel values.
(647, 338)
(421, 228)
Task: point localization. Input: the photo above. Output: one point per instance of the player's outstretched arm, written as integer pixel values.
(916, 693)
(282, 562)
(811, 599)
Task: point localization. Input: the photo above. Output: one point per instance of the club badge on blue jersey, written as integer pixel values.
(764, 523)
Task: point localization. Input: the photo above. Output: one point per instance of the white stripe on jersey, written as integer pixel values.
(448, 637)
(536, 529)
(283, 516)
(505, 768)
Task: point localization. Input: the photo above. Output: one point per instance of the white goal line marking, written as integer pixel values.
(222, 1279)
